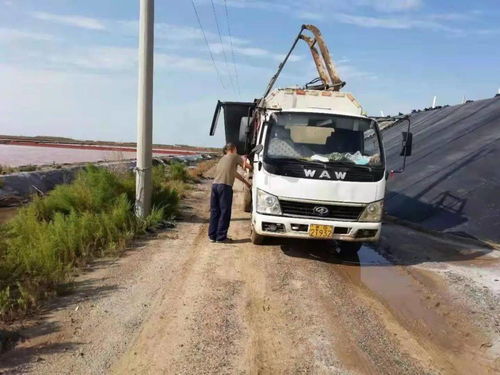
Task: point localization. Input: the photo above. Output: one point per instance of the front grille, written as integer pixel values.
(293, 208)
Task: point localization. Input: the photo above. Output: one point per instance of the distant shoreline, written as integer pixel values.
(48, 141)
(83, 146)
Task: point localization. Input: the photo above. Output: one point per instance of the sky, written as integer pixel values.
(69, 68)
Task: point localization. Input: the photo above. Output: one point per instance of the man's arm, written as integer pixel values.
(242, 179)
(245, 163)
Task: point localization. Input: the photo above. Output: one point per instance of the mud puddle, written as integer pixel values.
(431, 320)
(396, 288)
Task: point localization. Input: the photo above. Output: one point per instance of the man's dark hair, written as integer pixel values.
(227, 147)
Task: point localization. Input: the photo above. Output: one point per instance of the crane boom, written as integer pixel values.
(334, 82)
(324, 63)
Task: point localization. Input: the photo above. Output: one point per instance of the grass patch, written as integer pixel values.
(180, 187)
(27, 168)
(199, 170)
(23, 168)
(6, 170)
(73, 224)
(177, 172)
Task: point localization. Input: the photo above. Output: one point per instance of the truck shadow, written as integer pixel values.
(445, 211)
(388, 252)
(321, 251)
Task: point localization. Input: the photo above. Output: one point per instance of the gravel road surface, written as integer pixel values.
(177, 304)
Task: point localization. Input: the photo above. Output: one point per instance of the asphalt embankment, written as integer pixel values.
(452, 180)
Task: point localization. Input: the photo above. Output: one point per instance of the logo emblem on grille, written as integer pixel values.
(321, 211)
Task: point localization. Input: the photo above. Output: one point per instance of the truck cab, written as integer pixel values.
(320, 171)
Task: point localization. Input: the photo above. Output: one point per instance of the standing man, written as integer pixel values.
(221, 198)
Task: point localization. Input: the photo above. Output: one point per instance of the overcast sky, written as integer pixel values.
(69, 68)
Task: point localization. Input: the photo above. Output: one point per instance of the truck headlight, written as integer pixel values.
(373, 212)
(267, 203)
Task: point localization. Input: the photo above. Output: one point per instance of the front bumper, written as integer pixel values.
(297, 227)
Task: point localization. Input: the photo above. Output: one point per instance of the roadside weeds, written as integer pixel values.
(55, 235)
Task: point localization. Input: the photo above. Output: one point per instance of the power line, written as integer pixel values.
(232, 49)
(208, 45)
(222, 44)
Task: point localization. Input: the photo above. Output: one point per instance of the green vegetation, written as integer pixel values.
(6, 170)
(177, 172)
(22, 168)
(73, 224)
(27, 168)
(197, 172)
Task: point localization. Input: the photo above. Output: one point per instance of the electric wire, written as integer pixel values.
(232, 49)
(222, 44)
(208, 45)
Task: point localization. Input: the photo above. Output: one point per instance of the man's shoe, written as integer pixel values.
(226, 240)
(211, 239)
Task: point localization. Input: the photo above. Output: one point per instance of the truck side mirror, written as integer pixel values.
(256, 150)
(406, 145)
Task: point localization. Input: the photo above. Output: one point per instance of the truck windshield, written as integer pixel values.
(323, 138)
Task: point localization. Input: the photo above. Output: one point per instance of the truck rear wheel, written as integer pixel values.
(256, 238)
(349, 247)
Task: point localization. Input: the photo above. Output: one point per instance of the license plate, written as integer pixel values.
(320, 231)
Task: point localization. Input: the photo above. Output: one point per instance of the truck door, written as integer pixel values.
(236, 116)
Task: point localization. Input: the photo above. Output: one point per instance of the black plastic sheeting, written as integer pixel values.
(452, 180)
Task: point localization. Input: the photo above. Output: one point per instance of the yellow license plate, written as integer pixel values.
(321, 231)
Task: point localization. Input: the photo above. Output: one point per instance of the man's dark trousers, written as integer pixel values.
(221, 200)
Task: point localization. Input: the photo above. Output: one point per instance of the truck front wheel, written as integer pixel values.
(349, 247)
(256, 238)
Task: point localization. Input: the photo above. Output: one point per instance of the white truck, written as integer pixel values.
(319, 166)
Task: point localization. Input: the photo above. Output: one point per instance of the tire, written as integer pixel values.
(349, 247)
(256, 238)
(247, 200)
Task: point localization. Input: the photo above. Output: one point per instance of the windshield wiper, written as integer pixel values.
(341, 162)
(299, 161)
(352, 164)
(326, 163)
(316, 162)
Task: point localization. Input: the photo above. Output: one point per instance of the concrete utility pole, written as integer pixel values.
(145, 110)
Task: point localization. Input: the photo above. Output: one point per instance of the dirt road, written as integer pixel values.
(415, 304)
